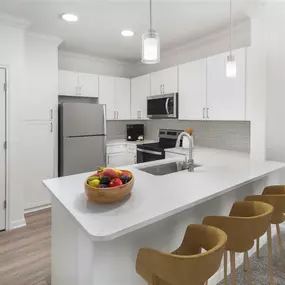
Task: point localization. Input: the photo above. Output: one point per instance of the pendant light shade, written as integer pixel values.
(150, 48)
(231, 67)
(150, 43)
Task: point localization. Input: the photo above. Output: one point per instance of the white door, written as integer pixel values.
(156, 83)
(123, 98)
(170, 80)
(88, 85)
(107, 95)
(193, 90)
(68, 83)
(39, 152)
(2, 150)
(140, 90)
(226, 96)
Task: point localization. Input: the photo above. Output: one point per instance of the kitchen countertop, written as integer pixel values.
(157, 197)
(123, 141)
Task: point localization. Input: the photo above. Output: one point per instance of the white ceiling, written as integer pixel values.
(98, 31)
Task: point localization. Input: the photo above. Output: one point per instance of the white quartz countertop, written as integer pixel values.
(157, 197)
(123, 141)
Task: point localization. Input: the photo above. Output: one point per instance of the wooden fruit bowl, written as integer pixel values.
(108, 195)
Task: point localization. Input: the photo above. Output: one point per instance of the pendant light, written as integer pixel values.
(231, 67)
(150, 43)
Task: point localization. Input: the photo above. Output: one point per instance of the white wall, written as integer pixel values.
(12, 51)
(89, 64)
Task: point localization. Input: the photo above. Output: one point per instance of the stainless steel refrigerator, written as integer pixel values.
(82, 137)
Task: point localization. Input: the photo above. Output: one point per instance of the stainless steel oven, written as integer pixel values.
(162, 106)
(144, 155)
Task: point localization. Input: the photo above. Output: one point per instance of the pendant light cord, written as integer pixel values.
(150, 15)
(231, 27)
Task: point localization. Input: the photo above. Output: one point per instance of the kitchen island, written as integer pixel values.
(98, 244)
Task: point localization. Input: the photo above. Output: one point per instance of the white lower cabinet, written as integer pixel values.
(119, 155)
(38, 146)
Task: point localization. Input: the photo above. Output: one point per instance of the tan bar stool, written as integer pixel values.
(188, 265)
(247, 221)
(275, 196)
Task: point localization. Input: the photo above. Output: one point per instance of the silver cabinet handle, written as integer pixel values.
(138, 114)
(163, 88)
(135, 159)
(117, 114)
(114, 114)
(208, 113)
(51, 127)
(80, 90)
(204, 113)
(160, 89)
(108, 159)
(51, 114)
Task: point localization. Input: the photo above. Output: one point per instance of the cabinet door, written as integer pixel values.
(156, 83)
(115, 159)
(123, 98)
(192, 90)
(140, 90)
(170, 80)
(226, 96)
(88, 85)
(39, 151)
(107, 95)
(67, 83)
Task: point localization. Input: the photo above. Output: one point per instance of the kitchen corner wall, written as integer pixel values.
(228, 135)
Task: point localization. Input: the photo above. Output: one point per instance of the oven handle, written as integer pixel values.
(166, 106)
(149, 151)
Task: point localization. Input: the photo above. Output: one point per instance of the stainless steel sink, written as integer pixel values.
(167, 168)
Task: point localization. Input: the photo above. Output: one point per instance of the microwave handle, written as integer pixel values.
(166, 106)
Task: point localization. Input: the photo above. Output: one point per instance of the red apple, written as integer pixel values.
(110, 173)
(115, 183)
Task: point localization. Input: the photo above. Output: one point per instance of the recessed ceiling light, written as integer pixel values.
(69, 17)
(127, 33)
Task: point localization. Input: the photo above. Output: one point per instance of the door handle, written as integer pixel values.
(51, 127)
(163, 88)
(204, 113)
(160, 89)
(114, 114)
(108, 159)
(208, 113)
(51, 114)
(138, 114)
(166, 106)
(117, 115)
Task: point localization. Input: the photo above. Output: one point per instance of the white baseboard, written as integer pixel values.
(18, 224)
(239, 259)
(38, 208)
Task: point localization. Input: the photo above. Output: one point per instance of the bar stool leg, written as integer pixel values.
(249, 273)
(244, 263)
(269, 245)
(233, 267)
(280, 246)
(225, 267)
(257, 248)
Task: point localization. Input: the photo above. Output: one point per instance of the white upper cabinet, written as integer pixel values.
(107, 95)
(123, 98)
(193, 90)
(71, 83)
(67, 83)
(140, 90)
(88, 85)
(164, 81)
(226, 96)
(115, 92)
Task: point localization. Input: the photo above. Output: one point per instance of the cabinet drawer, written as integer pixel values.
(116, 148)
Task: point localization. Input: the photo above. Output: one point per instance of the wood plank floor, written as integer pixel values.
(25, 253)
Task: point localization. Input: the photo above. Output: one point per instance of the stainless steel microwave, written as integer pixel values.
(162, 106)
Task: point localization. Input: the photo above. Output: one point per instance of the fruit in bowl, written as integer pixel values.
(109, 185)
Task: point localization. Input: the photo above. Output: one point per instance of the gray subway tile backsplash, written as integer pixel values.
(228, 135)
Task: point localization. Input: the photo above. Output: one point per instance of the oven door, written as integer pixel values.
(144, 155)
(162, 106)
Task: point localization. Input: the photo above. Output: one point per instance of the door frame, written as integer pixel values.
(7, 210)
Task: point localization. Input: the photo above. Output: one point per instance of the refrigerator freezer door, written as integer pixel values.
(82, 119)
(83, 154)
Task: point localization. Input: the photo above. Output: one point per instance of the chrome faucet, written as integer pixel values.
(187, 164)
